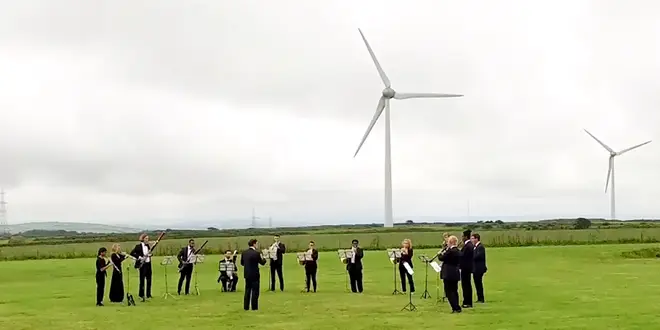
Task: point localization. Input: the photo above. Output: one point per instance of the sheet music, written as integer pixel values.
(435, 266)
(408, 268)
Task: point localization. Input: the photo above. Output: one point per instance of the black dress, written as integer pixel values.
(117, 282)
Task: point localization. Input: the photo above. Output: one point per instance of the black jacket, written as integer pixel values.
(250, 260)
(184, 256)
(309, 264)
(451, 260)
(281, 249)
(137, 253)
(467, 258)
(359, 254)
(480, 259)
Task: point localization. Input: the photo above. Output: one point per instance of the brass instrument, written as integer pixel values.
(301, 258)
(273, 250)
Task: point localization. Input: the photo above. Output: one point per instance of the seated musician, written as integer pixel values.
(228, 272)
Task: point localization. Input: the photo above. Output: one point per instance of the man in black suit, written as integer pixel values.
(142, 252)
(479, 266)
(450, 272)
(276, 263)
(250, 260)
(467, 264)
(354, 267)
(185, 266)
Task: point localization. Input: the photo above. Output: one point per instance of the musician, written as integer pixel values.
(467, 264)
(142, 252)
(406, 256)
(229, 279)
(450, 273)
(276, 263)
(479, 266)
(311, 266)
(117, 281)
(101, 266)
(354, 267)
(185, 266)
(250, 260)
(445, 237)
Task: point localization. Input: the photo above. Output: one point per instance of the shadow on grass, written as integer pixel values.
(648, 253)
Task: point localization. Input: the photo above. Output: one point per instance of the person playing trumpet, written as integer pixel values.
(406, 256)
(277, 250)
(311, 265)
(450, 273)
(354, 267)
(101, 266)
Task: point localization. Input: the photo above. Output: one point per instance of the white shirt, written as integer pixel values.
(475, 246)
(190, 252)
(145, 252)
(468, 241)
(353, 257)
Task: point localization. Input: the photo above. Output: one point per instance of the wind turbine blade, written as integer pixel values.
(609, 172)
(403, 96)
(631, 148)
(382, 74)
(599, 141)
(381, 105)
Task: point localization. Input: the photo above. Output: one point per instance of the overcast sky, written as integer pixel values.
(150, 112)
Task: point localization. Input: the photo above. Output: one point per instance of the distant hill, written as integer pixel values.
(80, 227)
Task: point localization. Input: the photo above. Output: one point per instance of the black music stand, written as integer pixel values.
(437, 268)
(409, 306)
(129, 297)
(196, 259)
(166, 262)
(394, 255)
(426, 261)
(268, 255)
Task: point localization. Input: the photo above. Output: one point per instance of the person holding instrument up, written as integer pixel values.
(450, 273)
(354, 267)
(117, 282)
(311, 266)
(276, 263)
(101, 266)
(185, 266)
(142, 253)
(406, 256)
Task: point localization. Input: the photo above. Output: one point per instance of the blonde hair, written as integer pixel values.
(407, 240)
(116, 247)
(445, 235)
(452, 240)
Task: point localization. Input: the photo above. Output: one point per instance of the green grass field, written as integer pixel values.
(367, 240)
(574, 287)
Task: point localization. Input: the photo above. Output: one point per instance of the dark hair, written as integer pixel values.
(227, 251)
(101, 250)
(190, 241)
(312, 242)
(252, 242)
(276, 235)
(477, 236)
(467, 233)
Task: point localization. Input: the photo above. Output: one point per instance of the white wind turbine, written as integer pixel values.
(610, 170)
(384, 104)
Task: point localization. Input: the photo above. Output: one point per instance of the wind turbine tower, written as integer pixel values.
(384, 104)
(610, 170)
(4, 225)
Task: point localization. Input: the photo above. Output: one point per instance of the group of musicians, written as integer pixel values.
(457, 265)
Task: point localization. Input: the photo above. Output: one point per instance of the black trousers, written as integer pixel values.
(251, 295)
(310, 273)
(404, 275)
(276, 268)
(451, 291)
(355, 276)
(228, 285)
(479, 286)
(186, 274)
(145, 276)
(466, 286)
(100, 288)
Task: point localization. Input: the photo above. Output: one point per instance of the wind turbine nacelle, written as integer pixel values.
(388, 93)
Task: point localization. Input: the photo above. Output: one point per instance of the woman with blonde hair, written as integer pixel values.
(117, 282)
(406, 257)
(450, 273)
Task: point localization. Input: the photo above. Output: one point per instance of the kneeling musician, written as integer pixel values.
(228, 272)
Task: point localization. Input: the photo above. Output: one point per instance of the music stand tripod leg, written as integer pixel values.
(396, 290)
(426, 294)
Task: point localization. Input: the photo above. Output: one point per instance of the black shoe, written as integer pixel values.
(99, 304)
(466, 306)
(143, 300)
(149, 297)
(456, 311)
(481, 301)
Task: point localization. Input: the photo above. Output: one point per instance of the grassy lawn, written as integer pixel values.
(576, 287)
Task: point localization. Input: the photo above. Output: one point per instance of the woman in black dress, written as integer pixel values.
(101, 266)
(406, 256)
(117, 282)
